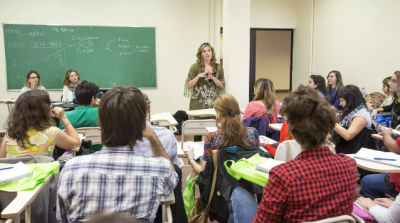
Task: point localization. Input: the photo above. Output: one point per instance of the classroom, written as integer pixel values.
(359, 38)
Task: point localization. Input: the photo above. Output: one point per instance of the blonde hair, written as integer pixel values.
(28, 76)
(66, 78)
(235, 132)
(200, 59)
(375, 99)
(265, 92)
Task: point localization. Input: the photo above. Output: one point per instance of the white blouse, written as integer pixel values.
(67, 94)
(28, 89)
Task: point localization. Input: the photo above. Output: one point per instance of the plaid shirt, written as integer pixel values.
(113, 180)
(317, 184)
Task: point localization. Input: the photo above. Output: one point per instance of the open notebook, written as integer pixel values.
(17, 171)
(268, 165)
(371, 155)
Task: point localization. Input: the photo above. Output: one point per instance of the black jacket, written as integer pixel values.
(225, 184)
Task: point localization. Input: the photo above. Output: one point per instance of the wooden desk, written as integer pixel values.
(179, 149)
(23, 202)
(276, 126)
(8, 102)
(211, 129)
(377, 136)
(201, 113)
(374, 167)
(165, 117)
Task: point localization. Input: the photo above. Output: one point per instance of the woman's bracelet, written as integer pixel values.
(190, 159)
(68, 123)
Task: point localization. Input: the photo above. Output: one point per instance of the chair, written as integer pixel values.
(196, 127)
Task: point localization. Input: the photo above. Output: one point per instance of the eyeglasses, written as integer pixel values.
(34, 78)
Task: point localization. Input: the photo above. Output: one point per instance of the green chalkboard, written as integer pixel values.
(107, 56)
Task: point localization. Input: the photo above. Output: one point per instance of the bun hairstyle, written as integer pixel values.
(235, 132)
(309, 117)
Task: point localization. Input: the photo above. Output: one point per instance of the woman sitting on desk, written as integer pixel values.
(264, 101)
(31, 129)
(32, 82)
(71, 80)
(205, 81)
(232, 131)
(353, 131)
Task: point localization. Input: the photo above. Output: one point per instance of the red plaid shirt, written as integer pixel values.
(317, 184)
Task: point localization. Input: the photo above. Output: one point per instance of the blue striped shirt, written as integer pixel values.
(113, 180)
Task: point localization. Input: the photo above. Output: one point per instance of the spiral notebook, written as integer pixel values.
(13, 172)
(267, 166)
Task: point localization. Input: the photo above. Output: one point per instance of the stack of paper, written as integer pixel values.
(387, 158)
(268, 165)
(198, 150)
(13, 172)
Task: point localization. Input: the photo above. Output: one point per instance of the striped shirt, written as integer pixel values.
(113, 180)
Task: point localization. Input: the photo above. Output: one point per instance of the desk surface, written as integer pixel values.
(276, 126)
(163, 117)
(375, 167)
(202, 113)
(23, 199)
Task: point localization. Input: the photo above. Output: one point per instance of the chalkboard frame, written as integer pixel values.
(86, 25)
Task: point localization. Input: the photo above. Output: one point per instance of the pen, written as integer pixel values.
(385, 159)
(6, 168)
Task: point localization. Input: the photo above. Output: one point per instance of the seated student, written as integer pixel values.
(32, 82)
(264, 101)
(71, 80)
(374, 100)
(86, 114)
(317, 184)
(166, 137)
(117, 178)
(394, 108)
(377, 185)
(383, 210)
(335, 83)
(31, 129)
(353, 131)
(387, 92)
(232, 131)
(317, 82)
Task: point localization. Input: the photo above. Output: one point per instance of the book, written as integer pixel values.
(371, 155)
(16, 172)
(265, 140)
(268, 165)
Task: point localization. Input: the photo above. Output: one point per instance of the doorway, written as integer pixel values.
(271, 55)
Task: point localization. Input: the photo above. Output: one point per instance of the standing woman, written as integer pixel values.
(317, 82)
(71, 80)
(32, 82)
(205, 81)
(335, 83)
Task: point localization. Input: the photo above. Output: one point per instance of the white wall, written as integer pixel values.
(273, 14)
(360, 38)
(181, 27)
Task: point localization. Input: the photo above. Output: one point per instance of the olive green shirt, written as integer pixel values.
(205, 92)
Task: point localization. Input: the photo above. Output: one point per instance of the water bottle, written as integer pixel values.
(363, 92)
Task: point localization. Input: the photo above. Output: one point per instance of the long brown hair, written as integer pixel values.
(339, 80)
(235, 132)
(31, 111)
(264, 91)
(397, 73)
(122, 116)
(200, 59)
(28, 76)
(66, 78)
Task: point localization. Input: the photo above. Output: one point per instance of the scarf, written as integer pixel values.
(346, 121)
(72, 86)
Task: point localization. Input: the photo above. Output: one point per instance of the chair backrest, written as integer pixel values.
(91, 133)
(27, 159)
(196, 127)
(337, 219)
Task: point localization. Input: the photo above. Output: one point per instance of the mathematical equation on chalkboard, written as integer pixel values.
(80, 44)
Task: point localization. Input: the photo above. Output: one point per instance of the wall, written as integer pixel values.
(360, 38)
(181, 27)
(273, 14)
(273, 49)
